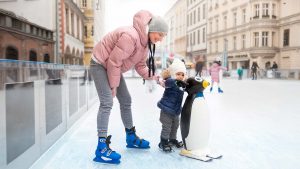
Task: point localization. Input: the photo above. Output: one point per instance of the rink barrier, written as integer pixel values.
(39, 102)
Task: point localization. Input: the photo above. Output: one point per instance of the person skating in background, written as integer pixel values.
(198, 68)
(170, 105)
(116, 53)
(214, 72)
(274, 66)
(240, 72)
(254, 68)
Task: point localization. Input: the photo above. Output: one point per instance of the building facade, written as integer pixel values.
(71, 26)
(196, 29)
(176, 39)
(241, 32)
(289, 31)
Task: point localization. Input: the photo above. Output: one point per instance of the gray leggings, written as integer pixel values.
(106, 100)
(170, 125)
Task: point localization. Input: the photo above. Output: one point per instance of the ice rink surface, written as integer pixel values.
(254, 124)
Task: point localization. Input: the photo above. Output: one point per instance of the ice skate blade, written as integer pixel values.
(188, 154)
(214, 156)
(137, 147)
(167, 152)
(100, 160)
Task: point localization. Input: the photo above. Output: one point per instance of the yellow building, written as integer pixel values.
(87, 9)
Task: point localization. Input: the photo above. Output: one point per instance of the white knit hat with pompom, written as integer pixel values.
(177, 66)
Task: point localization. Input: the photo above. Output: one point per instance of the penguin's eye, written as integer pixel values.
(198, 79)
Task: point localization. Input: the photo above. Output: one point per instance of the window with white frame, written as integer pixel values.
(217, 45)
(67, 20)
(234, 19)
(210, 26)
(210, 43)
(225, 22)
(203, 35)
(191, 39)
(273, 39)
(194, 16)
(256, 39)
(243, 41)
(204, 11)
(72, 23)
(187, 19)
(217, 24)
(265, 8)
(83, 2)
(244, 15)
(194, 37)
(274, 10)
(198, 39)
(199, 14)
(256, 6)
(286, 37)
(265, 38)
(2, 20)
(85, 31)
(234, 43)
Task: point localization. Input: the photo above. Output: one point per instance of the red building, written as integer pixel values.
(23, 40)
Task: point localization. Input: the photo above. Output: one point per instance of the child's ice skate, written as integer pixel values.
(220, 90)
(165, 146)
(176, 143)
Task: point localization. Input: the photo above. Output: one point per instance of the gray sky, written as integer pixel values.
(120, 12)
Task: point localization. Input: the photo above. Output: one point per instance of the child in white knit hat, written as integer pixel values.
(170, 105)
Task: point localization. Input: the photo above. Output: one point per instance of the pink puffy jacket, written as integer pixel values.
(125, 48)
(214, 71)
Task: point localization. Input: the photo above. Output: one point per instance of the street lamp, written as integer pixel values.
(225, 53)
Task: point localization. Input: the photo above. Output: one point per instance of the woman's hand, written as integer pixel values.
(114, 91)
(155, 77)
(161, 83)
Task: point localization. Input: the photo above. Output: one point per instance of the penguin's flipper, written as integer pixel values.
(193, 155)
(186, 117)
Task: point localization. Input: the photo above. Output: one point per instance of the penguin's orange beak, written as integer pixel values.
(205, 84)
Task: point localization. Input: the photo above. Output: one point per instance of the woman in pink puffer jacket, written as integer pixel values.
(119, 51)
(214, 72)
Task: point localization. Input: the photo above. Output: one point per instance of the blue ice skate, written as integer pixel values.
(220, 90)
(133, 141)
(104, 154)
(211, 89)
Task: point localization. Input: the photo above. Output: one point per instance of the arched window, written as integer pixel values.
(32, 56)
(11, 53)
(268, 65)
(46, 58)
